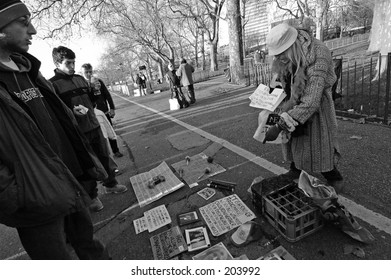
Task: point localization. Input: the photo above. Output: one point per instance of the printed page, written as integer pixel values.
(263, 99)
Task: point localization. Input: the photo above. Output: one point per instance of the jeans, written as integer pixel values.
(48, 241)
(98, 144)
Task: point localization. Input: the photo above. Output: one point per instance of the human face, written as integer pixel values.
(18, 36)
(282, 57)
(67, 66)
(87, 73)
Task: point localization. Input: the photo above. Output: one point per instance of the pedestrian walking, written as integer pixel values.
(185, 72)
(43, 154)
(175, 86)
(77, 95)
(305, 68)
(139, 82)
(103, 101)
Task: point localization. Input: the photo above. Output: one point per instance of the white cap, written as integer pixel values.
(280, 38)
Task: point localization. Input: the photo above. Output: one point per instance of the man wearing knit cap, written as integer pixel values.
(305, 68)
(42, 153)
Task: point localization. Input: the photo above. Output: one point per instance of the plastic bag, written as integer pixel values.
(260, 133)
(326, 199)
(174, 104)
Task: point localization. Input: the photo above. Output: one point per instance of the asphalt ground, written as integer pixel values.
(149, 133)
(222, 116)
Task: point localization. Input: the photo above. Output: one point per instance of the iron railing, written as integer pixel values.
(357, 90)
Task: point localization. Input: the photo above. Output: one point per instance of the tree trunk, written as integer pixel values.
(213, 56)
(235, 40)
(203, 49)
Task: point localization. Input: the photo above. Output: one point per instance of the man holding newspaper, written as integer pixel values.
(305, 69)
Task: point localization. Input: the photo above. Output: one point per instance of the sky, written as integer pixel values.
(89, 49)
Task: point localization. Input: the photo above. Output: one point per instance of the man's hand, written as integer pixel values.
(80, 110)
(112, 113)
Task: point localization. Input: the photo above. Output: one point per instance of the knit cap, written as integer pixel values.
(11, 10)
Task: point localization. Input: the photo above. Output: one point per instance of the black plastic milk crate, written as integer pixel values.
(291, 212)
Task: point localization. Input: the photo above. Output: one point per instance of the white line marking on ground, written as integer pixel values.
(377, 220)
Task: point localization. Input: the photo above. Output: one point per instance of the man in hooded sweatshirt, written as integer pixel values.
(43, 153)
(74, 90)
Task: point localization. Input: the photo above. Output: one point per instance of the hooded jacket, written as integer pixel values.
(74, 90)
(36, 187)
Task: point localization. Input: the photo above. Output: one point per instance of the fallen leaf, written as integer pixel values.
(359, 252)
(348, 249)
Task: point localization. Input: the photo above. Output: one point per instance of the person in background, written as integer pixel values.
(77, 95)
(175, 86)
(43, 154)
(185, 72)
(305, 68)
(139, 82)
(103, 101)
(143, 82)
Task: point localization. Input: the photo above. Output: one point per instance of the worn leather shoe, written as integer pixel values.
(96, 205)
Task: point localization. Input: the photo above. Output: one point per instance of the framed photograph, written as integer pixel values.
(197, 238)
(188, 218)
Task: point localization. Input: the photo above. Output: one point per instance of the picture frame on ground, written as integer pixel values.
(188, 218)
(197, 238)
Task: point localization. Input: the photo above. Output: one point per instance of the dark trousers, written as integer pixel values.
(176, 92)
(190, 92)
(113, 142)
(99, 146)
(48, 242)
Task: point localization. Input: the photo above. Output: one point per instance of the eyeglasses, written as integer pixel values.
(25, 20)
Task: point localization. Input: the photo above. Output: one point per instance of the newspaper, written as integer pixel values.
(194, 169)
(226, 214)
(262, 98)
(146, 195)
(168, 244)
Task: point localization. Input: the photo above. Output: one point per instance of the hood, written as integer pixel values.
(26, 63)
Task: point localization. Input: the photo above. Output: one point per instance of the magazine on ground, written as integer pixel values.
(197, 238)
(168, 244)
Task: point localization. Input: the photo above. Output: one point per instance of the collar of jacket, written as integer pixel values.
(58, 74)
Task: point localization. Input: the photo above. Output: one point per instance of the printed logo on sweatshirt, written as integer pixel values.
(28, 94)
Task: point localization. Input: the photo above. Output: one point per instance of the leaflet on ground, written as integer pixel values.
(226, 214)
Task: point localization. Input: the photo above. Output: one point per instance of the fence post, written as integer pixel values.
(387, 97)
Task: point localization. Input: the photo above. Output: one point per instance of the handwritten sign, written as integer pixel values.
(262, 98)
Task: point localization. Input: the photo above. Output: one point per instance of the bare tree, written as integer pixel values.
(200, 10)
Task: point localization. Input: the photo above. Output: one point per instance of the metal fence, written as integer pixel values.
(358, 92)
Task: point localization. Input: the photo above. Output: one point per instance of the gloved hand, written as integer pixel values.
(287, 122)
(272, 133)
